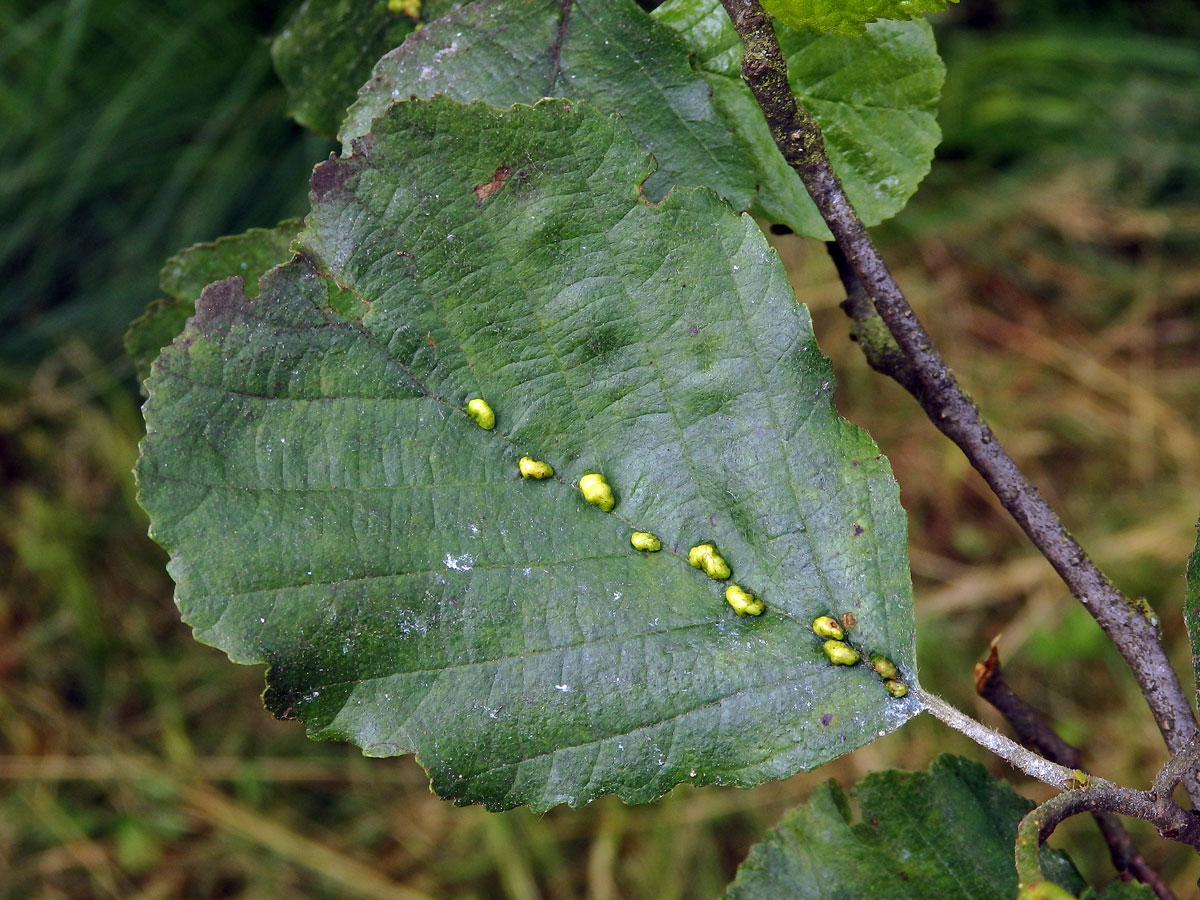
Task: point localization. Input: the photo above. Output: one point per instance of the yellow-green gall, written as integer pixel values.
(479, 410)
(534, 468)
(596, 491)
(840, 653)
(885, 667)
(743, 602)
(645, 541)
(706, 558)
(828, 627)
(897, 688)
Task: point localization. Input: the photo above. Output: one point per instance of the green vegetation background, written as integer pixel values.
(1053, 252)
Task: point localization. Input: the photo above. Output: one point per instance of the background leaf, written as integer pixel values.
(875, 97)
(945, 834)
(185, 275)
(153, 330)
(330, 509)
(327, 49)
(1191, 608)
(608, 52)
(847, 16)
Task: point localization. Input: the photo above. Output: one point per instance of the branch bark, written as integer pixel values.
(1081, 792)
(1132, 629)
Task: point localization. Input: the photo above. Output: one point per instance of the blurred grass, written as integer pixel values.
(1052, 253)
(129, 130)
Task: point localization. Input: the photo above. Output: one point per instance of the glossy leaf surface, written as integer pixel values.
(330, 509)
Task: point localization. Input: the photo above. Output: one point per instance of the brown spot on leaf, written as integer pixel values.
(848, 620)
(219, 303)
(486, 189)
(334, 179)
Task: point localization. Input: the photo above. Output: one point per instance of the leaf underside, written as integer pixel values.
(331, 510)
(945, 834)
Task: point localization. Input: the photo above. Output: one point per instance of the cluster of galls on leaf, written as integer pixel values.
(840, 653)
(597, 491)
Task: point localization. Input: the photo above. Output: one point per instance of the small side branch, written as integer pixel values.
(1033, 732)
(1132, 631)
(1030, 729)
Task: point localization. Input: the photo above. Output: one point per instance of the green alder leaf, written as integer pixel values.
(186, 274)
(608, 52)
(875, 98)
(326, 51)
(331, 510)
(945, 834)
(1191, 607)
(847, 16)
